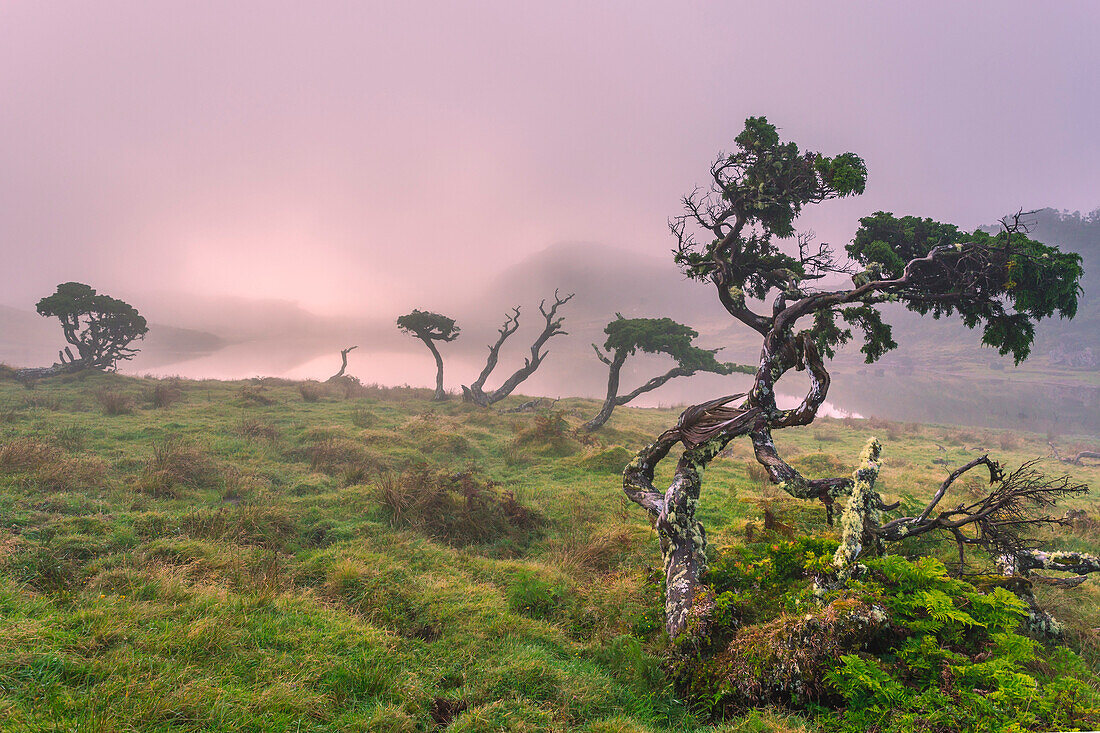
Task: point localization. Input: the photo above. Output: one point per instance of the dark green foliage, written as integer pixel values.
(904, 648)
(957, 661)
(731, 233)
(625, 336)
(428, 325)
(763, 185)
(1003, 282)
(753, 580)
(99, 326)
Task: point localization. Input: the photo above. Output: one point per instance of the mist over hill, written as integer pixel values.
(939, 373)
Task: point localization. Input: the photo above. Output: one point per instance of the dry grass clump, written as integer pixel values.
(549, 435)
(165, 394)
(757, 473)
(45, 465)
(256, 524)
(600, 550)
(334, 455)
(175, 466)
(256, 428)
(311, 391)
(1009, 441)
(71, 437)
(456, 508)
(363, 418)
(114, 403)
(254, 394)
(43, 401)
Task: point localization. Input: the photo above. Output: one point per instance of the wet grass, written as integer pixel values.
(240, 556)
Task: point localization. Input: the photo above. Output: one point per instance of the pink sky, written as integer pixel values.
(357, 156)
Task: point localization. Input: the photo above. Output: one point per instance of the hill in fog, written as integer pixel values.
(239, 337)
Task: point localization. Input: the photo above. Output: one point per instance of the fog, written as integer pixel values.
(370, 157)
(341, 163)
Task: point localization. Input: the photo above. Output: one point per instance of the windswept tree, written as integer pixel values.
(476, 392)
(627, 336)
(100, 327)
(729, 238)
(429, 328)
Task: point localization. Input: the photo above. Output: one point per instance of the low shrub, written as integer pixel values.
(549, 435)
(254, 394)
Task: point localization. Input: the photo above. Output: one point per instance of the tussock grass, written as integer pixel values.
(115, 403)
(176, 466)
(165, 394)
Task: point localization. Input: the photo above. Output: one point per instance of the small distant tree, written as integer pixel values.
(626, 336)
(343, 364)
(100, 327)
(729, 238)
(476, 392)
(431, 327)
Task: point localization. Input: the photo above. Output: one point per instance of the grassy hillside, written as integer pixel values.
(273, 556)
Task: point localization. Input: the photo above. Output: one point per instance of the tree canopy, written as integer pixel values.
(99, 326)
(730, 234)
(662, 336)
(428, 325)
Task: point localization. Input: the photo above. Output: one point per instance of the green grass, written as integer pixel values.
(252, 558)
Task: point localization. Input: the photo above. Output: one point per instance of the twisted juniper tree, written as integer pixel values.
(729, 237)
(100, 327)
(476, 391)
(626, 336)
(431, 327)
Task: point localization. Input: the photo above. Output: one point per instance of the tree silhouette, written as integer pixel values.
(626, 336)
(100, 327)
(729, 237)
(431, 327)
(476, 392)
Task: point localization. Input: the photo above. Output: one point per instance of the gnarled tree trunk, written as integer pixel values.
(343, 363)
(476, 393)
(440, 394)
